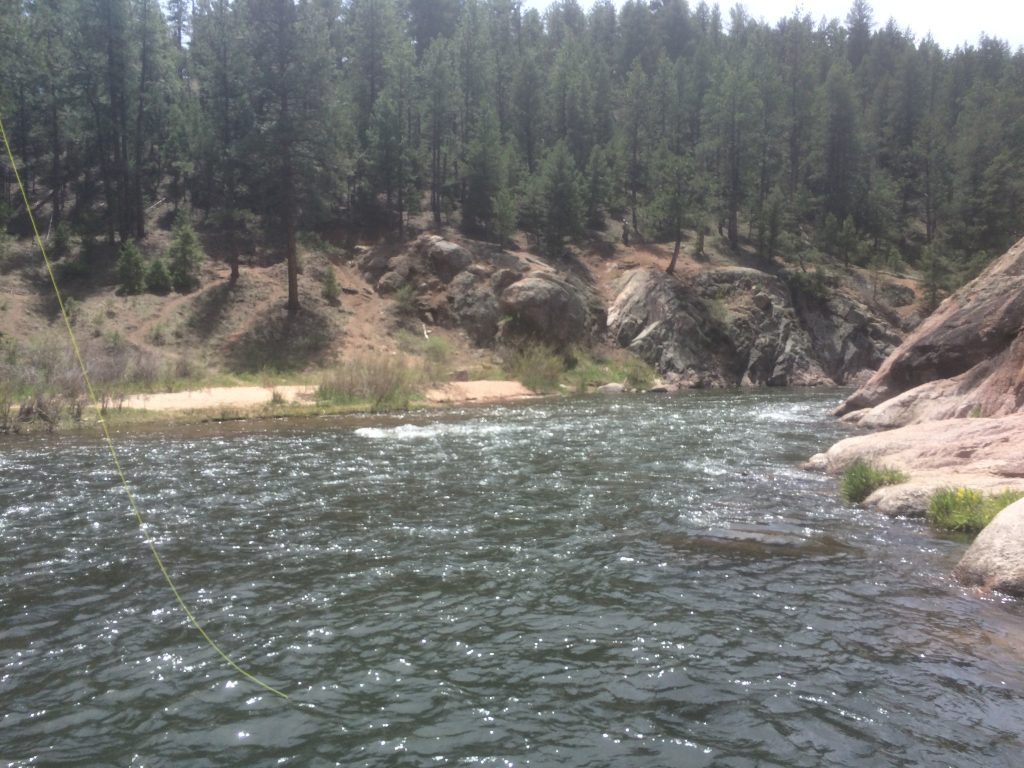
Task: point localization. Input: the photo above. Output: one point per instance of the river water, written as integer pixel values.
(646, 581)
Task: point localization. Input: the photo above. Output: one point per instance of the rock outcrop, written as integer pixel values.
(670, 327)
(545, 307)
(716, 327)
(995, 560)
(492, 294)
(850, 336)
(977, 453)
(952, 400)
(965, 359)
(741, 327)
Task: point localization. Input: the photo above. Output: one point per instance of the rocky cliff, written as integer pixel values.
(717, 326)
(735, 326)
(964, 360)
(950, 400)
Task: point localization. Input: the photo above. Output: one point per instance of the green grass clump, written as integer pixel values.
(537, 367)
(385, 382)
(965, 509)
(862, 479)
(435, 352)
(639, 375)
(591, 370)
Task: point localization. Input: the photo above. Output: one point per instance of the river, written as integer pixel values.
(631, 581)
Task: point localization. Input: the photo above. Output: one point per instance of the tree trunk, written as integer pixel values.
(56, 169)
(675, 252)
(293, 266)
(138, 207)
(291, 252)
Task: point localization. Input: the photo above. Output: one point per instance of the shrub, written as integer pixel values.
(185, 255)
(407, 305)
(157, 335)
(158, 279)
(437, 350)
(6, 403)
(536, 366)
(73, 310)
(131, 273)
(587, 372)
(965, 509)
(437, 353)
(639, 375)
(862, 479)
(5, 240)
(61, 240)
(387, 383)
(330, 289)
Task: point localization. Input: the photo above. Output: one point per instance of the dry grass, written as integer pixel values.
(384, 382)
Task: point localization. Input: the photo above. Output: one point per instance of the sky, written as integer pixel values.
(951, 24)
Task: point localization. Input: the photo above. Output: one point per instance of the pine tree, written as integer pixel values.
(297, 152)
(673, 199)
(158, 279)
(131, 272)
(563, 205)
(841, 143)
(733, 106)
(436, 83)
(184, 256)
(485, 177)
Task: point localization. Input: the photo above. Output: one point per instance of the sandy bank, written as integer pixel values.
(214, 398)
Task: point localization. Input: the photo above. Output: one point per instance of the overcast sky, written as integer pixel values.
(950, 24)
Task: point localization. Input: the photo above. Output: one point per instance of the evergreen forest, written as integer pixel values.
(848, 140)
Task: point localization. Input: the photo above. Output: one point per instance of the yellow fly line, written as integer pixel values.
(110, 443)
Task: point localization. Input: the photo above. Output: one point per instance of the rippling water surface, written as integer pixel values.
(624, 582)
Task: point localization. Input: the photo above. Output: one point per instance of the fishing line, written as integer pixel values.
(143, 527)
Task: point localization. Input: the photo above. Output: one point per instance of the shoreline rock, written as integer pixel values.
(966, 358)
(977, 453)
(995, 560)
(951, 399)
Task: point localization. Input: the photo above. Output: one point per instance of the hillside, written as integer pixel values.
(726, 319)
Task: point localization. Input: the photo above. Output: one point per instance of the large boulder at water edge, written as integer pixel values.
(965, 359)
(996, 558)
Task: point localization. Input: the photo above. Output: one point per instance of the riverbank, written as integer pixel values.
(218, 404)
(981, 454)
(950, 402)
(219, 398)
